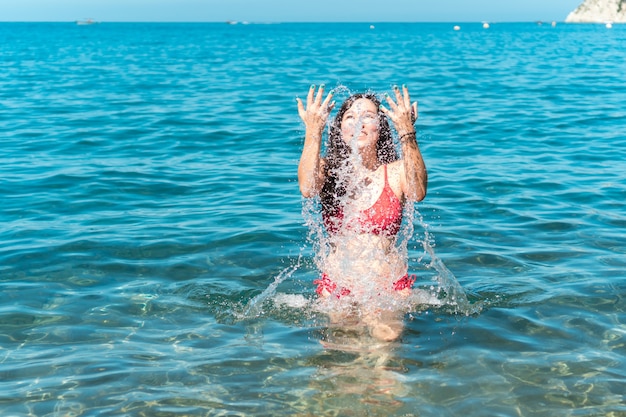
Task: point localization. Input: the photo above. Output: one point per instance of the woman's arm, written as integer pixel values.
(403, 115)
(314, 116)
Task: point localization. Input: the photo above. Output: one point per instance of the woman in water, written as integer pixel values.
(363, 186)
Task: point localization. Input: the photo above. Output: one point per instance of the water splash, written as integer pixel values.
(448, 290)
(446, 293)
(254, 307)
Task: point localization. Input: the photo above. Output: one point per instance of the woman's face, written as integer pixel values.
(360, 124)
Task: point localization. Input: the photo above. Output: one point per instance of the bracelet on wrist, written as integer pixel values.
(402, 137)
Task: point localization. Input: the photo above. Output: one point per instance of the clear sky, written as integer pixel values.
(287, 10)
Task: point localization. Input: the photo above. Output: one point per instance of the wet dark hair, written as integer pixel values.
(338, 152)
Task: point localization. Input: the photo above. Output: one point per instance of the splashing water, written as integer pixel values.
(358, 260)
(363, 267)
(448, 292)
(254, 307)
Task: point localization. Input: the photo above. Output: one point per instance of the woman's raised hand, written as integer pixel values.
(314, 116)
(316, 112)
(402, 113)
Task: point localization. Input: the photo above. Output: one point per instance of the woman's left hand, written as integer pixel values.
(402, 113)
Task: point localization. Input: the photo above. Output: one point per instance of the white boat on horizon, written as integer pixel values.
(88, 21)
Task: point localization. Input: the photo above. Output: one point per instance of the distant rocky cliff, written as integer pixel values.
(599, 11)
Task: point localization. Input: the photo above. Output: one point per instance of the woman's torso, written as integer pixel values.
(373, 204)
(362, 240)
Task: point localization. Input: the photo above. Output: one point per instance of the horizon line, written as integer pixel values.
(251, 22)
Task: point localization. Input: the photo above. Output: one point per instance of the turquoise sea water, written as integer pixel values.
(155, 258)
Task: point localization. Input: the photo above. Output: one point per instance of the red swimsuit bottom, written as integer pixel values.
(326, 284)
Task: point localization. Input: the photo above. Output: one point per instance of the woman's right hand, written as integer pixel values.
(316, 112)
(311, 167)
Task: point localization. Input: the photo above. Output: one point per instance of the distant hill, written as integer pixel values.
(599, 11)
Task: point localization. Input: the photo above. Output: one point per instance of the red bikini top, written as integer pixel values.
(383, 218)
